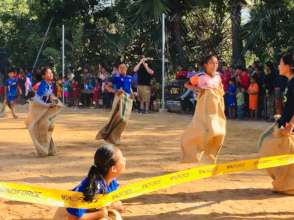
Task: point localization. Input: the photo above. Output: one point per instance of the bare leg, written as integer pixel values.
(234, 112)
(12, 108)
(142, 106)
(2, 110)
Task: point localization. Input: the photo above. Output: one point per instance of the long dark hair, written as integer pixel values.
(288, 59)
(103, 161)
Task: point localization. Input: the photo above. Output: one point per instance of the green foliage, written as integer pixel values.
(270, 30)
(97, 33)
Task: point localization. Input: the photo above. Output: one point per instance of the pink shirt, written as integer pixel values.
(205, 81)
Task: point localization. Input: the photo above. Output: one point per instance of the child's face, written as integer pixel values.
(11, 74)
(212, 66)
(120, 165)
(284, 68)
(48, 75)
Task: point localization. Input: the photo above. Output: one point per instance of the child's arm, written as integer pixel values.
(188, 85)
(192, 84)
(99, 214)
(19, 89)
(289, 127)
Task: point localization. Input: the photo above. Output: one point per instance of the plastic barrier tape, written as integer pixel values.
(63, 198)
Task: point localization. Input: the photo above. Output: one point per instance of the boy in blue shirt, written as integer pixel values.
(11, 92)
(44, 94)
(122, 83)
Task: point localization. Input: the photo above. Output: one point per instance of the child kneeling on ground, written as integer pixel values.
(109, 163)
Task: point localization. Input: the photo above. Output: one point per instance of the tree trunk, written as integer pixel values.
(237, 57)
(176, 34)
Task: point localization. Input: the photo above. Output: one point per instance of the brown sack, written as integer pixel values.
(120, 114)
(40, 123)
(274, 143)
(205, 135)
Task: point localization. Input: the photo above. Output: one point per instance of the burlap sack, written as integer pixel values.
(120, 114)
(273, 143)
(205, 135)
(40, 123)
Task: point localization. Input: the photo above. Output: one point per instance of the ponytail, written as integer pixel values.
(103, 162)
(91, 187)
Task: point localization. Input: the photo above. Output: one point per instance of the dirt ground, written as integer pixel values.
(151, 146)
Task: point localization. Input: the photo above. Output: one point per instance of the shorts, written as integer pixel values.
(144, 93)
(11, 99)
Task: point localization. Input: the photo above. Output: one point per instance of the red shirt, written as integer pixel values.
(226, 76)
(244, 80)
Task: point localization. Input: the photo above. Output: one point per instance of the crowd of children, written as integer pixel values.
(84, 88)
(255, 92)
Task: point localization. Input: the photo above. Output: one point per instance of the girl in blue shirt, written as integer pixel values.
(44, 95)
(109, 163)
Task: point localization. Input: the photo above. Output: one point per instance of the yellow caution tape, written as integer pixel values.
(63, 198)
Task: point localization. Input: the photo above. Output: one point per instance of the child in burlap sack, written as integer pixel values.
(205, 135)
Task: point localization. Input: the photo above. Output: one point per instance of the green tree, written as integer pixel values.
(270, 30)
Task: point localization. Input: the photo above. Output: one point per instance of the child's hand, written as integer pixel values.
(287, 130)
(103, 212)
(118, 206)
(120, 92)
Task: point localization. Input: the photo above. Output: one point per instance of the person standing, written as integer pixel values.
(145, 74)
(240, 99)
(232, 89)
(76, 92)
(270, 78)
(253, 92)
(11, 91)
(29, 86)
(2, 87)
(279, 138)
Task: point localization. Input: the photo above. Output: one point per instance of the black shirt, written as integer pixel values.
(144, 78)
(269, 80)
(289, 104)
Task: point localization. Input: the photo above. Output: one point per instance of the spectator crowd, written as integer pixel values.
(255, 92)
(90, 87)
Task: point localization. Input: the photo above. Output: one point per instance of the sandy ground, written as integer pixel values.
(151, 145)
